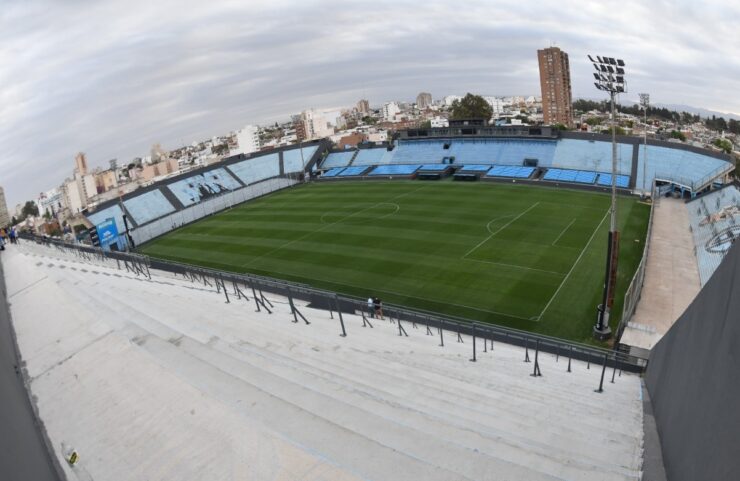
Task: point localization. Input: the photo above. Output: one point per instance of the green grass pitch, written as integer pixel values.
(522, 256)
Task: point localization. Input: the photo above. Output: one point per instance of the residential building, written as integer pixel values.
(105, 180)
(363, 107)
(81, 163)
(318, 124)
(451, 98)
(4, 215)
(351, 140)
(557, 102)
(390, 110)
(50, 201)
(248, 139)
(423, 100)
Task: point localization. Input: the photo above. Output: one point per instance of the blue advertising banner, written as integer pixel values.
(107, 232)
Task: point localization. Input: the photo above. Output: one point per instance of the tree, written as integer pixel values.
(427, 124)
(47, 215)
(675, 134)
(560, 127)
(723, 144)
(471, 107)
(369, 120)
(13, 221)
(619, 130)
(29, 209)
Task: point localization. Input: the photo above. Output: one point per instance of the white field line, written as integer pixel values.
(329, 225)
(516, 266)
(564, 230)
(573, 266)
(499, 229)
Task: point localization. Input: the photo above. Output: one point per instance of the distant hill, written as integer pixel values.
(699, 111)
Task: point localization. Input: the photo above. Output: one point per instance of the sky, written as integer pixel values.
(111, 78)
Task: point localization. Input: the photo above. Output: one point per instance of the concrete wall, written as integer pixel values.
(694, 382)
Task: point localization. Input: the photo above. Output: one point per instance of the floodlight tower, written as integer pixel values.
(609, 77)
(644, 103)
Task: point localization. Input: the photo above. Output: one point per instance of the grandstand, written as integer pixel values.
(174, 202)
(715, 224)
(580, 159)
(165, 370)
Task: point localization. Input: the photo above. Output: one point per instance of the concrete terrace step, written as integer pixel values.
(149, 308)
(425, 411)
(200, 363)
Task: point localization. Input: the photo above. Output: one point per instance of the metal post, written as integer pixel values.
(341, 319)
(526, 349)
(603, 370)
(441, 338)
(614, 371)
(570, 355)
(459, 337)
(536, 371)
(473, 331)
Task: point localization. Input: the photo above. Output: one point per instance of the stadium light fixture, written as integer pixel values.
(609, 77)
(645, 104)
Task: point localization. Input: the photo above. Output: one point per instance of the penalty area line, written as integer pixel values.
(567, 276)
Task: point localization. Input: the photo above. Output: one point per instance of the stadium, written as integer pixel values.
(241, 289)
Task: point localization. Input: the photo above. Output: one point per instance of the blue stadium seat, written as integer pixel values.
(394, 170)
(684, 167)
(373, 157)
(196, 188)
(332, 172)
(513, 171)
(338, 159)
(596, 156)
(501, 151)
(148, 206)
(294, 160)
(577, 176)
(708, 259)
(354, 170)
(259, 168)
(623, 181)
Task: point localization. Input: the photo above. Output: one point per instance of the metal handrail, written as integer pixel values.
(335, 302)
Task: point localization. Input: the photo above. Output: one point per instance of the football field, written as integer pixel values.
(522, 256)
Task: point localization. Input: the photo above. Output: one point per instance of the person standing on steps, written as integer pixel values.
(370, 306)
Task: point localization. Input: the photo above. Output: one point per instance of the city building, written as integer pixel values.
(50, 201)
(318, 124)
(557, 103)
(81, 163)
(423, 100)
(439, 122)
(451, 98)
(351, 140)
(390, 110)
(105, 180)
(4, 215)
(248, 140)
(363, 107)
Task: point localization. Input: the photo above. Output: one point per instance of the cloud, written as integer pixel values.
(111, 78)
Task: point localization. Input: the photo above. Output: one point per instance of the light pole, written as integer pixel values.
(609, 77)
(645, 103)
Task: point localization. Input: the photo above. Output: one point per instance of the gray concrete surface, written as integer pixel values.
(671, 277)
(23, 452)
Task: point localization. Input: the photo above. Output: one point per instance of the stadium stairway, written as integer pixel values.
(368, 406)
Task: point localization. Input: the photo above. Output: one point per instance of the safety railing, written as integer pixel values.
(634, 291)
(251, 288)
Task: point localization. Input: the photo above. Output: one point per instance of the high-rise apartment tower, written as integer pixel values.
(557, 102)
